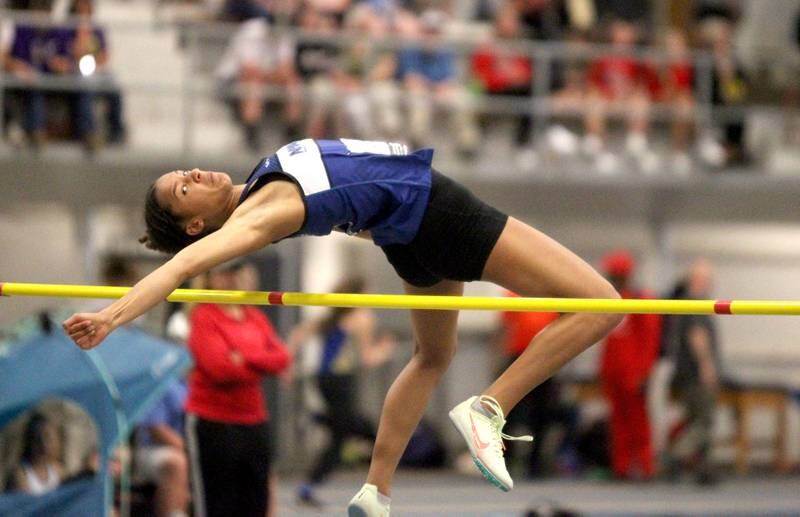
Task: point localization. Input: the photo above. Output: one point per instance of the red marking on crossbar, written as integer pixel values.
(722, 307)
(275, 298)
(1, 288)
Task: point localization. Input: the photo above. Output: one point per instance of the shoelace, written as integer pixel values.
(499, 421)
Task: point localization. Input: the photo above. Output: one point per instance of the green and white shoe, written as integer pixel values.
(484, 436)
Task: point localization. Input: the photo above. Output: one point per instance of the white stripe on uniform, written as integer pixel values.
(302, 160)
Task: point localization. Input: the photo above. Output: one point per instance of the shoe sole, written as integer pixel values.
(478, 463)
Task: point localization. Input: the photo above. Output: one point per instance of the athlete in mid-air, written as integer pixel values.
(435, 234)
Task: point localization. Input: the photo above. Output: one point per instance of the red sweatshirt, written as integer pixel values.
(220, 389)
(497, 70)
(631, 348)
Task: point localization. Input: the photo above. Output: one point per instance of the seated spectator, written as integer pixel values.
(729, 89)
(160, 454)
(318, 63)
(428, 74)
(26, 63)
(81, 51)
(242, 10)
(568, 99)
(339, 9)
(500, 71)
(619, 83)
(40, 470)
(677, 81)
(543, 19)
(6, 39)
(366, 80)
(254, 62)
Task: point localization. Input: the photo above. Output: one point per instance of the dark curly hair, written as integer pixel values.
(33, 441)
(164, 231)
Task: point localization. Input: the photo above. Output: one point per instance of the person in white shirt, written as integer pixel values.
(255, 61)
(40, 470)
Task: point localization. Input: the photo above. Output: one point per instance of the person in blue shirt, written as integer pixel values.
(349, 342)
(427, 73)
(160, 453)
(434, 232)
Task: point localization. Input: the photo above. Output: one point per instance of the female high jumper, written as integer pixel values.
(435, 234)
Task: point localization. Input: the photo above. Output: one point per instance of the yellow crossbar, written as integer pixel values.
(401, 301)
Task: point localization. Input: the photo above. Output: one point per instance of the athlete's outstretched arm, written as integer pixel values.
(245, 232)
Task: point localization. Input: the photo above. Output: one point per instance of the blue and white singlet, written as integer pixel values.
(353, 185)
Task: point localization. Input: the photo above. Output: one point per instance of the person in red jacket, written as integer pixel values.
(629, 353)
(234, 347)
(499, 70)
(620, 83)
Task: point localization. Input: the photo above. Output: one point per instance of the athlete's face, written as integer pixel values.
(195, 197)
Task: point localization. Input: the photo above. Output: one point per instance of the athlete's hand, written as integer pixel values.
(87, 329)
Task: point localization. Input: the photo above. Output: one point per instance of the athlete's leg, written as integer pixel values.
(529, 263)
(435, 344)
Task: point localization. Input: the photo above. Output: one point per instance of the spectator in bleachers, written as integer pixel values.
(318, 62)
(619, 83)
(242, 10)
(255, 61)
(336, 8)
(366, 79)
(543, 19)
(81, 52)
(568, 100)
(27, 62)
(629, 352)
(676, 88)
(501, 71)
(428, 73)
(40, 470)
(6, 39)
(696, 380)
(729, 89)
(160, 453)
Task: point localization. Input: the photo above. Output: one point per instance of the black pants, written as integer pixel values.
(522, 134)
(343, 420)
(539, 411)
(230, 467)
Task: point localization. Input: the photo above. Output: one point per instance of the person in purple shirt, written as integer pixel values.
(26, 62)
(81, 51)
(428, 75)
(160, 453)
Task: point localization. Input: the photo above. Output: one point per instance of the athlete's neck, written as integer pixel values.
(233, 199)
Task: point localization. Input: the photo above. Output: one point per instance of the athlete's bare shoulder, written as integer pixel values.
(277, 205)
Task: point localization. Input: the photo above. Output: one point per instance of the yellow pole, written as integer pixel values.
(400, 301)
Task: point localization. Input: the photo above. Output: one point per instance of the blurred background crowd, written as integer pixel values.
(613, 85)
(645, 135)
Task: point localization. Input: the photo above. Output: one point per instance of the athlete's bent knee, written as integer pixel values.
(434, 357)
(603, 289)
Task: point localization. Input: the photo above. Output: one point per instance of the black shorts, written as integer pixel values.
(454, 240)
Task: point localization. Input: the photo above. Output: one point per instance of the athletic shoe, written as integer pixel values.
(366, 503)
(484, 436)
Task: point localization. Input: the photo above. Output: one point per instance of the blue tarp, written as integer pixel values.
(115, 383)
